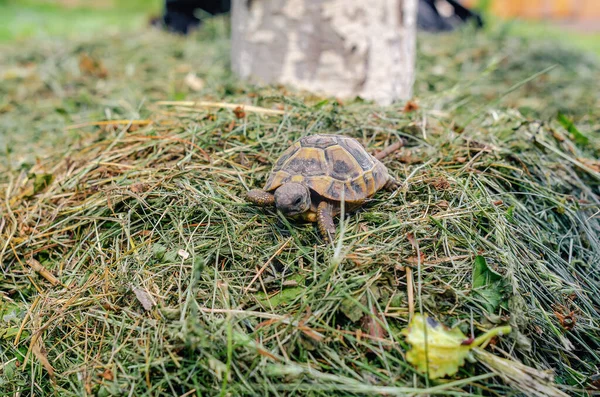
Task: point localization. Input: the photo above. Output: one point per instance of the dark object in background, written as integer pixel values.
(430, 18)
(179, 14)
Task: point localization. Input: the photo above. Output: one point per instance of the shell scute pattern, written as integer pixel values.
(285, 156)
(369, 181)
(307, 162)
(358, 153)
(276, 179)
(330, 165)
(359, 186)
(319, 141)
(340, 164)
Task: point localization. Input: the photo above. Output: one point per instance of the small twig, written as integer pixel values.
(246, 108)
(108, 122)
(37, 266)
(483, 339)
(243, 312)
(410, 292)
(390, 149)
(262, 269)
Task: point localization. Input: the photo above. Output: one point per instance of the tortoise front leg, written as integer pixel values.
(260, 197)
(325, 221)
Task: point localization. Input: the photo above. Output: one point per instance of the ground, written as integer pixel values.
(132, 265)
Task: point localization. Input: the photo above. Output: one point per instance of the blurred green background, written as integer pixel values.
(27, 19)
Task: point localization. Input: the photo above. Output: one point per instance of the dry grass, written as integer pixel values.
(131, 265)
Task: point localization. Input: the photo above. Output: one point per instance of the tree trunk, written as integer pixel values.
(343, 48)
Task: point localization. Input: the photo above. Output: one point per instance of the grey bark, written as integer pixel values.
(343, 48)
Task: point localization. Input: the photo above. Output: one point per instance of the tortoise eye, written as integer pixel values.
(298, 201)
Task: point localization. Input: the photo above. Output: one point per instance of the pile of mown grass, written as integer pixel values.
(131, 264)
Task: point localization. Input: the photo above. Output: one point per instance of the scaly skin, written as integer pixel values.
(325, 221)
(260, 197)
(391, 185)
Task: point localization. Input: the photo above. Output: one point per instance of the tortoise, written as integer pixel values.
(316, 173)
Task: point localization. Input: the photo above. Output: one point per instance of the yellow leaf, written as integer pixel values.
(439, 350)
(435, 347)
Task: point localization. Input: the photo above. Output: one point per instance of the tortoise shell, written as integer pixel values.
(330, 165)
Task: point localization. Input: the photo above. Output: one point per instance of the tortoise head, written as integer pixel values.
(292, 198)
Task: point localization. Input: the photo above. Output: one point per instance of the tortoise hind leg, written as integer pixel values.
(391, 184)
(325, 221)
(260, 197)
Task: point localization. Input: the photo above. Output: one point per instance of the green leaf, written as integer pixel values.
(179, 96)
(61, 111)
(482, 275)
(510, 214)
(283, 297)
(320, 104)
(492, 299)
(487, 284)
(158, 251)
(351, 310)
(10, 369)
(576, 135)
(11, 315)
(356, 307)
(11, 333)
(41, 182)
